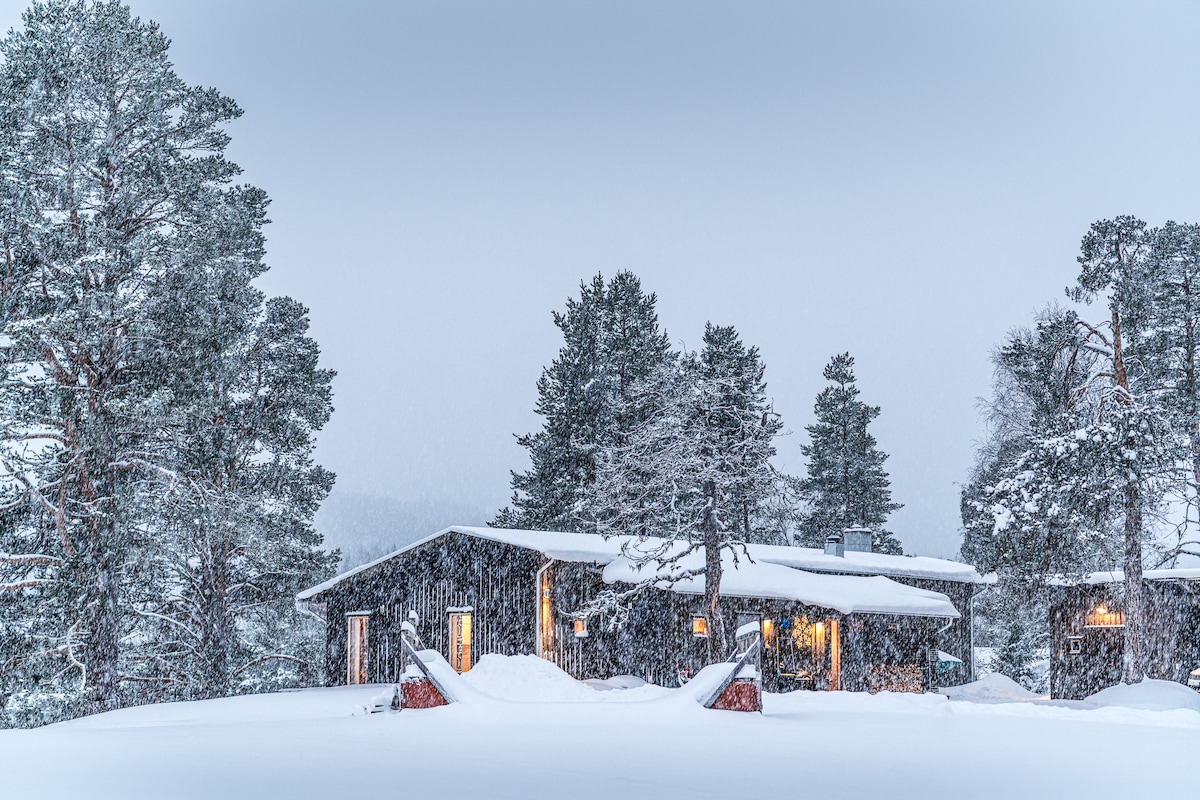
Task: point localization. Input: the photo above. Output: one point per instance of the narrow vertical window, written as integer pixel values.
(356, 649)
(460, 640)
(835, 655)
(545, 617)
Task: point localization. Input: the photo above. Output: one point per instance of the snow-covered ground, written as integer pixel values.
(526, 730)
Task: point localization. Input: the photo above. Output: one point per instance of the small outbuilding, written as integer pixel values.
(839, 618)
(1087, 624)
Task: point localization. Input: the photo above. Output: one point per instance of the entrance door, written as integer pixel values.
(460, 640)
(356, 649)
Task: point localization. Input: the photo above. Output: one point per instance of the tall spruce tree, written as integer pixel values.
(131, 378)
(846, 485)
(696, 471)
(611, 342)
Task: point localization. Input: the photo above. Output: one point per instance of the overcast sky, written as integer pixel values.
(906, 181)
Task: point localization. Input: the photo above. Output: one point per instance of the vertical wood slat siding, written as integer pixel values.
(497, 580)
(1172, 612)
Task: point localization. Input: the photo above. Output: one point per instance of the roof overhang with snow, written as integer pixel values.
(860, 583)
(1118, 576)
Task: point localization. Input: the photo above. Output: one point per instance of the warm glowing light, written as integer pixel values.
(580, 627)
(699, 626)
(1102, 617)
(768, 632)
(460, 641)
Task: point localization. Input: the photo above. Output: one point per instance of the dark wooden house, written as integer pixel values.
(1087, 623)
(834, 619)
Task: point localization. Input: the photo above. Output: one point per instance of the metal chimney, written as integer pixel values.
(833, 545)
(858, 540)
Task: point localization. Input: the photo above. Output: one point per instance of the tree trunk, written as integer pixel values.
(102, 648)
(712, 578)
(1134, 667)
(214, 623)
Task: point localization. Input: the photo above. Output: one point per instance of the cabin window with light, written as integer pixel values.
(460, 640)
(768, 632)
(356, 648)
(580, 627)
(699, 626)
(1103, 617)
(545, 615)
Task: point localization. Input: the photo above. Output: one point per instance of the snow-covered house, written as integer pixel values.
(1087, 625)
(841, 618)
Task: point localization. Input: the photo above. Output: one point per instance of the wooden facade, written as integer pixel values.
(1087, 624)
(515, 600)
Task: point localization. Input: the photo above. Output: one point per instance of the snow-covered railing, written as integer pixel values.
(428, 673)
(716, 693)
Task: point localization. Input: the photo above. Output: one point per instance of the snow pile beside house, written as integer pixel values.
(993, 688)
(1149, 695)
(529, 679)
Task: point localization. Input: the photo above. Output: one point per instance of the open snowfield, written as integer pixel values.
(583, 742)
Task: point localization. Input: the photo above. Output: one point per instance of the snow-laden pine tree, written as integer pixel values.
(103, 152)
(1086, 480)
(695, 472)
(611, 341)
(846, 485)
(236, 541)
(1038, 375)
(1168, 353)
(118, 219)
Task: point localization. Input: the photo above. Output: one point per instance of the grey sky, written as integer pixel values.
(903, 181)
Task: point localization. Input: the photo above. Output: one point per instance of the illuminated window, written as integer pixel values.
(460, 640)
(699, 626)
(768, 632)
(580, 627)
(356, 649)
(545, 615)
(1101, 617)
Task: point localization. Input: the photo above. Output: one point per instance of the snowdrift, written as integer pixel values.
(991, 688)
(1149, 695)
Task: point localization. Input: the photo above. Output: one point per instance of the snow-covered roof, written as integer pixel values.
(763, 578)
(1118, 576)
(741, 577)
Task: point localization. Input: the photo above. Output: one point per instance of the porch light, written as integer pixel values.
(581, 627)
(699, 626)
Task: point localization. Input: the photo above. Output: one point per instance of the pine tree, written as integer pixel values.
(1168, 352)
(846, 485)
(697, 471)
(1082, 484)
(156, 416)
(237, 541)
(1142, 450)
(103, 152)
(611, 342)
(1038, 374)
